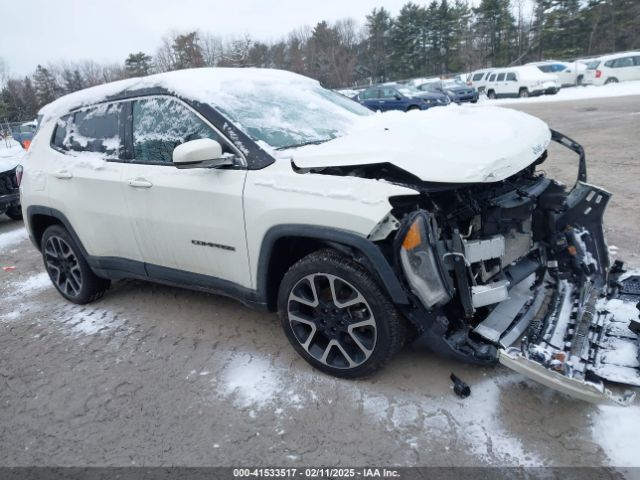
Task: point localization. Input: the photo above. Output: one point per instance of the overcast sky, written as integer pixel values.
(42, 31)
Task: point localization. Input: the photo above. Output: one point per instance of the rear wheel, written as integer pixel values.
(337, 317)
(413, 107)
(523, 93)
(68, 269)
(611, 80)
(14, 213)
(491, 94)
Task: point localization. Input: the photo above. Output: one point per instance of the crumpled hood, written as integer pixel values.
(10, 157)
(455, 144)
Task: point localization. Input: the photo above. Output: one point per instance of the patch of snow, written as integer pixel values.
(614, 429)
(11, 238)
(621, 89)
(252, 381)
(90, 321)
(255, 383)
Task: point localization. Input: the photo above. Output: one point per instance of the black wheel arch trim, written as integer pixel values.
(374, 257)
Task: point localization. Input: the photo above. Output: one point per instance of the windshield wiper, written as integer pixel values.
(310, 142)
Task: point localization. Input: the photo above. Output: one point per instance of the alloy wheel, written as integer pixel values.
(332, 321)
(63, 266)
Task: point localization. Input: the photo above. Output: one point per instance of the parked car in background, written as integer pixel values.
(457, 90)
(478, 79)
(23, 133)
(569, 74)
(10, 155)
(522, 81)
(400, 97)
(619, 67)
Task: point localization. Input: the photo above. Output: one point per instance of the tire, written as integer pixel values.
(491, 94)
(14, 213)
(611, 80)
(579, 80)
(412, 108)
(320, 323)
(68, 269)
(523, 93)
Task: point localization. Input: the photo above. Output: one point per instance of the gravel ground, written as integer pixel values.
(156, 376)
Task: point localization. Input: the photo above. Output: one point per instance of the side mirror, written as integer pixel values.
(201, 153)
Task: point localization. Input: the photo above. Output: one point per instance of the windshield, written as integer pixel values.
(453, 83)
(289, 115)
(409, 91)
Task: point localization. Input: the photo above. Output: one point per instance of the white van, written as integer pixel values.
(619, 67)
(478, 79)
(522, 81)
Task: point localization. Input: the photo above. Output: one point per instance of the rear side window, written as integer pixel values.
(500, 77)
(623, 62)
(161, 124)
(492, 77)
(511, 77)
(95, 129)
(545, 68)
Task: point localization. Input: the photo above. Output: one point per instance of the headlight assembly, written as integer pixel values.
(421, 266)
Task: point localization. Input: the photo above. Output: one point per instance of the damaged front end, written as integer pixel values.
(518, 272)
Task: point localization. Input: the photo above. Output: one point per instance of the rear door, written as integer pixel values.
(371, 98)
(624, 68)
(184, 220)
(85, 180)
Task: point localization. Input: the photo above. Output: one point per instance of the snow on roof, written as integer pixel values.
(204, 84)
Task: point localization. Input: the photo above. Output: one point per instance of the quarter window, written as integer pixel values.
(160, 125)
(511, 77)
(95, 129)
(623, 62)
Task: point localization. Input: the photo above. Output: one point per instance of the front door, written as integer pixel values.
(184, 220)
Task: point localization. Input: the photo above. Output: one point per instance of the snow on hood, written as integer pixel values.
(10, 156)
(465, 144)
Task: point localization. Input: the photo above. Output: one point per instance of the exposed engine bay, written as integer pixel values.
(516, 272)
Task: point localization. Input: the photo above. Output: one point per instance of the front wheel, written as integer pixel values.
(14, 213)
(336, 316)
(523, 93)
(68, 269)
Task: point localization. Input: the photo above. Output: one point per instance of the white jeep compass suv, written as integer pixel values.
(361, 230)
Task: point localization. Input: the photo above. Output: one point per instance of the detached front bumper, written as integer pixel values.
(9, 193)
(9, 200)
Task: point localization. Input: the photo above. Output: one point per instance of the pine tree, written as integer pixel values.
(46, 86)
(73, 80)
(138, 65)
(378, 44)
(187, 51)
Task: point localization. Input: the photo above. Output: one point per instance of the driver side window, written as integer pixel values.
(160, 125)
(388, 93)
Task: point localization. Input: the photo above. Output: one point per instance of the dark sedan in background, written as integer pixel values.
(457, 91)
(400, 97)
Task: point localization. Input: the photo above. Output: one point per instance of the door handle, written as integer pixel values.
(63, 174)
(140, 183)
